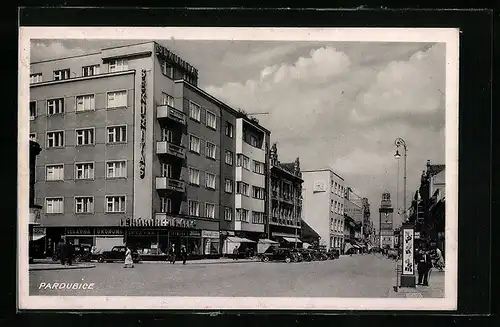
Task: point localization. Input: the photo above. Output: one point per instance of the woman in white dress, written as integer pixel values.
(129, 262)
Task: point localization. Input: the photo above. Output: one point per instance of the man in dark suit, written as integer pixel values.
(62, 251)
(423, 266)
(69, 253)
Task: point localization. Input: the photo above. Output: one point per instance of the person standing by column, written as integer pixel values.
(171, 253)
(62, 251)
(69, 253)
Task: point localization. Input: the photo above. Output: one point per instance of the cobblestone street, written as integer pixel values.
(356, 276)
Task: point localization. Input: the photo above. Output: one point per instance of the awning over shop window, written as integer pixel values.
(267, 241)
(235, 239)
(37, 237)
(292, 239)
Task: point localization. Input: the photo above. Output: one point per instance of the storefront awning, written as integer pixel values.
(37, 237)
(235, 239)
(267, 241)
(292, 239)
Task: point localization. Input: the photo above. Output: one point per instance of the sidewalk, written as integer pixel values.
(58, 266)
(206, 261)
(434, 290)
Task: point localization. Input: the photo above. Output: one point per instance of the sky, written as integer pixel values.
(337, 105)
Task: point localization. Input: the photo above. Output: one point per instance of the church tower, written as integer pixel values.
(386, 212)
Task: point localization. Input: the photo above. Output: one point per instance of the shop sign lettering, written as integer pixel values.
(39, 231)
(142, 161)
(108, 231)
(78, 231)
(159, 222)
(408, 240)
(142, 232)
(170, 56)
(210, 234)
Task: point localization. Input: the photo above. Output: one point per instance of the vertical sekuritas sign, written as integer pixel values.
(142, 161)
(408, 242)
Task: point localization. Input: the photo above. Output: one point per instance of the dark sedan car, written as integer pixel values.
(280, 254)
(117, 253)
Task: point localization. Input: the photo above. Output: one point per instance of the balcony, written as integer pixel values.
(169, 184)
(163, 147)
(168, 112)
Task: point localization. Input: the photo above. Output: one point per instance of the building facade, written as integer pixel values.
(353, 217)
(386, 229)
(323, 205)
(427, 210)
(286, 201)
(135, 152)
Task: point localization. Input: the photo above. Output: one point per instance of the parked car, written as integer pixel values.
(333, 254)
(80, 253)
(307, 255)
(280, 254)
(117, 253)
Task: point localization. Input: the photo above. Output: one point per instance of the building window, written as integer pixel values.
(194, 144)
(36, 78)
(85, 136)
(166, 135)
(258, 167)
(243, 161)
(194, 111)
(54, 173)
(115, 203)
(229, 129)
(242, 215)
(341, 209)
(194, 176)
(117, 99)
(116, 169)
(32, 110)
(242, 188)
(332, 205)
(118, 65)
(210, 181)
(228, 213)
(257, 217)
(258, 193)
(167, 69)
(166, 205)
(228, 186)
(211, 120)
(194, 208)
(54, 205)
(84, 170)
(33, 137)
(61, 74)
(90, 70)
(166, 170)
(167, 100)
(84, 204)
(117, 134)
(209, 210)
(229, 158)
(55, 139)
(55, 106)
(210, 150)
(85, 102)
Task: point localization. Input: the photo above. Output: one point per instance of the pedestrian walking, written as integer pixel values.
(69, 253)
(62, 251)
(183, 254)
(235, 253)
(129, 262)
(171, 253)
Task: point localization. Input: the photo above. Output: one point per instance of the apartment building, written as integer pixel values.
(323, 205)
(136, 153)
(353, 218)
(286, 201)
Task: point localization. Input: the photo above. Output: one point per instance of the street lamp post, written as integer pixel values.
(407, 232)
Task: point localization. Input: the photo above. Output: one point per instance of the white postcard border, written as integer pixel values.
(448, 36)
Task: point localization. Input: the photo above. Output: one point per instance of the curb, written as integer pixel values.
(62, 268)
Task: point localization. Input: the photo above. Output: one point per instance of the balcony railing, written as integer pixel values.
(165, 183)
(168, 112)
(163, 147)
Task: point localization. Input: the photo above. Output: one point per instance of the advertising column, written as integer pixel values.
(408, 262)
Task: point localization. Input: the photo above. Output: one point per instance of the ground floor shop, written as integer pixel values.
(243, 242)
(337, 242)
(286, 236)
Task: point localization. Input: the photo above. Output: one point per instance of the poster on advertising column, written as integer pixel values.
(408, 241)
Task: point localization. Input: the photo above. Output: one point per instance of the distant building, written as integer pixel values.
(386, 230)
(353, 217)
(35, 233)
(286, 201)
(323, 205)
